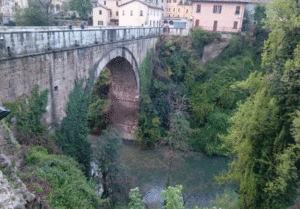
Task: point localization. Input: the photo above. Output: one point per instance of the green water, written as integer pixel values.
(194, 171)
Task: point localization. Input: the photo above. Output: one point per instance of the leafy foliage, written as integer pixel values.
(200, 38)
(136, 201)
(148, 131)
(173, 197)
(145, 74)
(256, 139)
(227, 199)
(212, 99)
(33, 15)
(82, 7)
(99, 108)
(69, 188)
(107, 158)
(259, 15)
(72, 137)
(29, 112)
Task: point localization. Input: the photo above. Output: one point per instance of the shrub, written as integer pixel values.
(201, 38)
(98, 114)
(173, 197)
(68, 186)
(136, 201)
(228, 199)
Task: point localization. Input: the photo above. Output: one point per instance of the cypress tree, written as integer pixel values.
(72, 138)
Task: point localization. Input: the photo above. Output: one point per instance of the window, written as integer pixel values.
(104, 2)
(217, 8)
(150, 22)
(110, 13)
(235, 25)
(153, 23)
(117, 13)
(157, 23)
(117, 3)
(100, 22)
(100, 12)
(178, 9)
(198, 8)
(174, 10)
(174, 1)
(141, 13)
(131, 13)
(162, 1)
(237, 11)
(197, 23)
(123, 13)
(187, 11)
(150, 11)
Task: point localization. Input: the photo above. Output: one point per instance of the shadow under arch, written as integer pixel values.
(124, 90)
(114, 53)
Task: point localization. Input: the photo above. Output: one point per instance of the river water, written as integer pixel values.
(194, 171)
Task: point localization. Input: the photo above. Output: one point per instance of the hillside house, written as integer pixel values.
(219, 15)
(140, 13)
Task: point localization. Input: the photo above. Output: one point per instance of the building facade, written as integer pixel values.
(221, 16)
(139, 13)
(101, 16)
(8, 9)
(179, 9)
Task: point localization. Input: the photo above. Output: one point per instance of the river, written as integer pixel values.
(148, 170)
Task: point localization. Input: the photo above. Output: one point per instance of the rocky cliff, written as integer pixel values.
(13, 193)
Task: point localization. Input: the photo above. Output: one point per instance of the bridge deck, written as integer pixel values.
(17, 42)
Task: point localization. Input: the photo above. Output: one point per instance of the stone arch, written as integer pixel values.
(114, 53)
(124, 90)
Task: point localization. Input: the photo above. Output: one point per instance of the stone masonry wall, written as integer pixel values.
(57, 71)
(29, 42)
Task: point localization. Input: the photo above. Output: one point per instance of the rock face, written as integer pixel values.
(13, 193)
(213, 50)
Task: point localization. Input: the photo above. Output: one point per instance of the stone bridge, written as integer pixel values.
(53, 57)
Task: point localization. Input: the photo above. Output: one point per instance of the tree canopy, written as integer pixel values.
(82, 7)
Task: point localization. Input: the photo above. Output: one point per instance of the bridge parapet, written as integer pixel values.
(31, 41)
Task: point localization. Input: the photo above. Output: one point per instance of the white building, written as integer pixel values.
(140, 13)
(8, 9)
(101, 16)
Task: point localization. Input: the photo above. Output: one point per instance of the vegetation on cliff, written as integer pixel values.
(98, 115)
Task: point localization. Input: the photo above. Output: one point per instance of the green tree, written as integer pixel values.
(82, 7)
(173, 197)
(283, 20)
(256, 139)
(33, 15)
(72, 137)
(135, 199)
(259, 15)
(113, 176)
